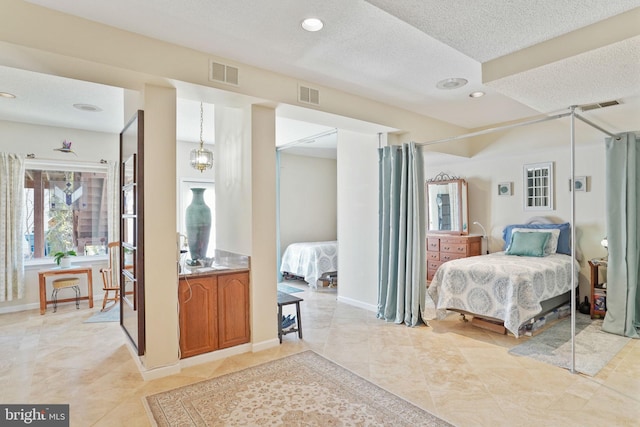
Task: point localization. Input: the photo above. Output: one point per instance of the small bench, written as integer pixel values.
(286, 299)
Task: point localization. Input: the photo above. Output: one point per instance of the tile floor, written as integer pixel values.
(452, 369)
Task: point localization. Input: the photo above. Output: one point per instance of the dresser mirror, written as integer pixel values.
(447, 208)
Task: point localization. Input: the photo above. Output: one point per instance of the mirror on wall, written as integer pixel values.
(447, 209)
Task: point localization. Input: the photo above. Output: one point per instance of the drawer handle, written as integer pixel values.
(446, 248)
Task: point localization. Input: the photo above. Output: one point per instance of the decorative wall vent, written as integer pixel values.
(223, 73)
(308, 95)
(599, 105)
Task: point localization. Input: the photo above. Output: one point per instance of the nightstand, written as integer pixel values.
(598, 288)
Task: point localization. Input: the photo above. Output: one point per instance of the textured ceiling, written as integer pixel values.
(395, 51)
(488, 29)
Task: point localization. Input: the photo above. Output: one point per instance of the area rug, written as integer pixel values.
(288, 289)
(304, 389)
(594, 347)
(111, 315)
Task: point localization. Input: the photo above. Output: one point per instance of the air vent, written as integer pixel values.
(308, 95)
(223, 73)
(599, 105)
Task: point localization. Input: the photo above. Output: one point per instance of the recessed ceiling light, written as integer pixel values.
(87, 107)
(476, 94)
(452, 83)
(6, 95)
(312, 24)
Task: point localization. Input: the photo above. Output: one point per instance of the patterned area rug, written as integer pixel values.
(594, 347)
(304, 389)
(110, 315)
(288, 289)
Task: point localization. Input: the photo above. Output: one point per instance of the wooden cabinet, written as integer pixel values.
(198, 301)
(442, 248)
(233, 309)
(598, 289)
(214, 312)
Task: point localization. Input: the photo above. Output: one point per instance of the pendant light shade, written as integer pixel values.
(201, 158)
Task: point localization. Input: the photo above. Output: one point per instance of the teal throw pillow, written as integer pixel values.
(528, 243)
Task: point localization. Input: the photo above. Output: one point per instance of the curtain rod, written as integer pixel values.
(515, 125)
(307, 139)
(590, 123)
(31, 156)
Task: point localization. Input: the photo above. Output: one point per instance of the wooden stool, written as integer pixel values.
(286, 299)
(70, 282)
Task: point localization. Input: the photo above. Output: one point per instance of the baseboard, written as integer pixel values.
(265, 345)
(214, 355)
(36, 305)
(359, 304)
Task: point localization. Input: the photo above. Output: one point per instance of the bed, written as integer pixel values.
(512, 286)
(310, 261)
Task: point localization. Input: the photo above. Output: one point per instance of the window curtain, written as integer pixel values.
(623, 270)
(113, 201)
(401, 244)
(12, 226)
(113, 212)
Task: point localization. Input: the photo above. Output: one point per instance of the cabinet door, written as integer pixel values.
(198, 315)
(233, 309)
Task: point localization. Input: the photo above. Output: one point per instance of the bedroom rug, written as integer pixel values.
(594, 347)
(288, 289)
(304, 389)
(111, 315)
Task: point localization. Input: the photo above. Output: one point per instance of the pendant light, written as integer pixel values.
(201, 158)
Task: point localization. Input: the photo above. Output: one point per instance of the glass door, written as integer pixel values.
(132, 231)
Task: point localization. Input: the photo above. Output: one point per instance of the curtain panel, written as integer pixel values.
(12, 226)
(623, 269)
(401, 235)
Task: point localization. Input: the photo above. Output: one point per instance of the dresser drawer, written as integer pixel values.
(456, 248)
(433, 256)
(444, 256)
(433, 244)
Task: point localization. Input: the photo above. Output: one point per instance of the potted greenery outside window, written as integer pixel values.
(63, 258)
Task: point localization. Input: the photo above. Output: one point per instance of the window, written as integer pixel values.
(538, 186)
(65, 209)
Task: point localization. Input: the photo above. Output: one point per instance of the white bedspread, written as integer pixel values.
(310, 260)
(505, 287)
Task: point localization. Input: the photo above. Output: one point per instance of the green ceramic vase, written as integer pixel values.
(198, 222)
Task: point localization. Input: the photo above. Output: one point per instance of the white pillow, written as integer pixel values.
(552, 244)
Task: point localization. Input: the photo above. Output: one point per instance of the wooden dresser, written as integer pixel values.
(442, 248)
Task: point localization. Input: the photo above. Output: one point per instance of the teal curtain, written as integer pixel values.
(622, 201)
(401, 236)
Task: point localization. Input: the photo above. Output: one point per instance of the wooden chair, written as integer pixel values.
(110, 275)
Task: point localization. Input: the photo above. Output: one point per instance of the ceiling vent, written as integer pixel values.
(223, 73)
(599, 105)
(308, 95)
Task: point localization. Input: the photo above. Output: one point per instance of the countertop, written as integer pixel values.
(224, 262)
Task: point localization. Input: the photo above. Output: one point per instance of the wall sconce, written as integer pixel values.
(201, 158)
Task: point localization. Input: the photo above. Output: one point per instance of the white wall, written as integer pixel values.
(308, 199)
(232, 169)
(160, 262)
(25, 138)
(358, 219)
(41, 140)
